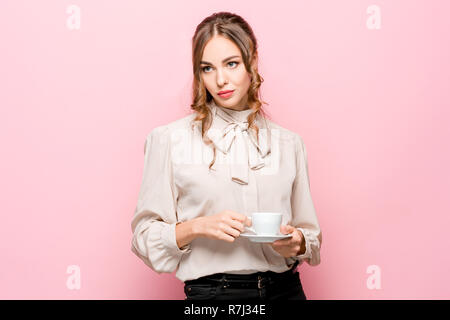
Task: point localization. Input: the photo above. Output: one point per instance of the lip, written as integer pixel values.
(225, 91)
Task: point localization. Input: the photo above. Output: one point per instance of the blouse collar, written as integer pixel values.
(230, 134)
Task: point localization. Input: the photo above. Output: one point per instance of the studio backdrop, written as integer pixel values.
(364, 83)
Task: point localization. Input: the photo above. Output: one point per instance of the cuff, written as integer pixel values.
(168, 237)
(307, 238)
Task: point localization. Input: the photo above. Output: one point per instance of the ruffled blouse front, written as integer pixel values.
(250, 174)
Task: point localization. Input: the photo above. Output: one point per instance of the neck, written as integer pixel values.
(235, 108)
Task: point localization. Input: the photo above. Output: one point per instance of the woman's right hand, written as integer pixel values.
(226, 225)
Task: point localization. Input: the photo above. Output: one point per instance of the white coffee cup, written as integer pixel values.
(266, 223)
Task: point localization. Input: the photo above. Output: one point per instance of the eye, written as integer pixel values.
(205, 71)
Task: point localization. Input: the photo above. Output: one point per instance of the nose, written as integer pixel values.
(221, 78)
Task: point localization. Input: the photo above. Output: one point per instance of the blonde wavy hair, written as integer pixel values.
(236, 29)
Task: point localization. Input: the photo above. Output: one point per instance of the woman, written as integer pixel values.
(205, 174)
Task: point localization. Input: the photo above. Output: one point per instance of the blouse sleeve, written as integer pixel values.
(303, 211)
(155, 217)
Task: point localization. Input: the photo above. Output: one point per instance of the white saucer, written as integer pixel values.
(264, 238)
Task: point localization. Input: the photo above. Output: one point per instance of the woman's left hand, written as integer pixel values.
(290, 247)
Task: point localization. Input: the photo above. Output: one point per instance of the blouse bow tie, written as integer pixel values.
(248, 153)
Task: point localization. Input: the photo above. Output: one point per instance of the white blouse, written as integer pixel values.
(249, 175)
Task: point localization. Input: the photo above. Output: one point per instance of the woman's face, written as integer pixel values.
(222, 68)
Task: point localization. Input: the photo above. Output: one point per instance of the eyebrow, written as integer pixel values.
(224, 60)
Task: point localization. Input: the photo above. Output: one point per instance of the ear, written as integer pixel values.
(254, 61)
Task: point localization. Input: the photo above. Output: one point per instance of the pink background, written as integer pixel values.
(76, 106)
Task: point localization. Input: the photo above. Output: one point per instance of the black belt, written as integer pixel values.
(253, 280)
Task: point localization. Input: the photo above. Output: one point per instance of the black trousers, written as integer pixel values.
(270, 286)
